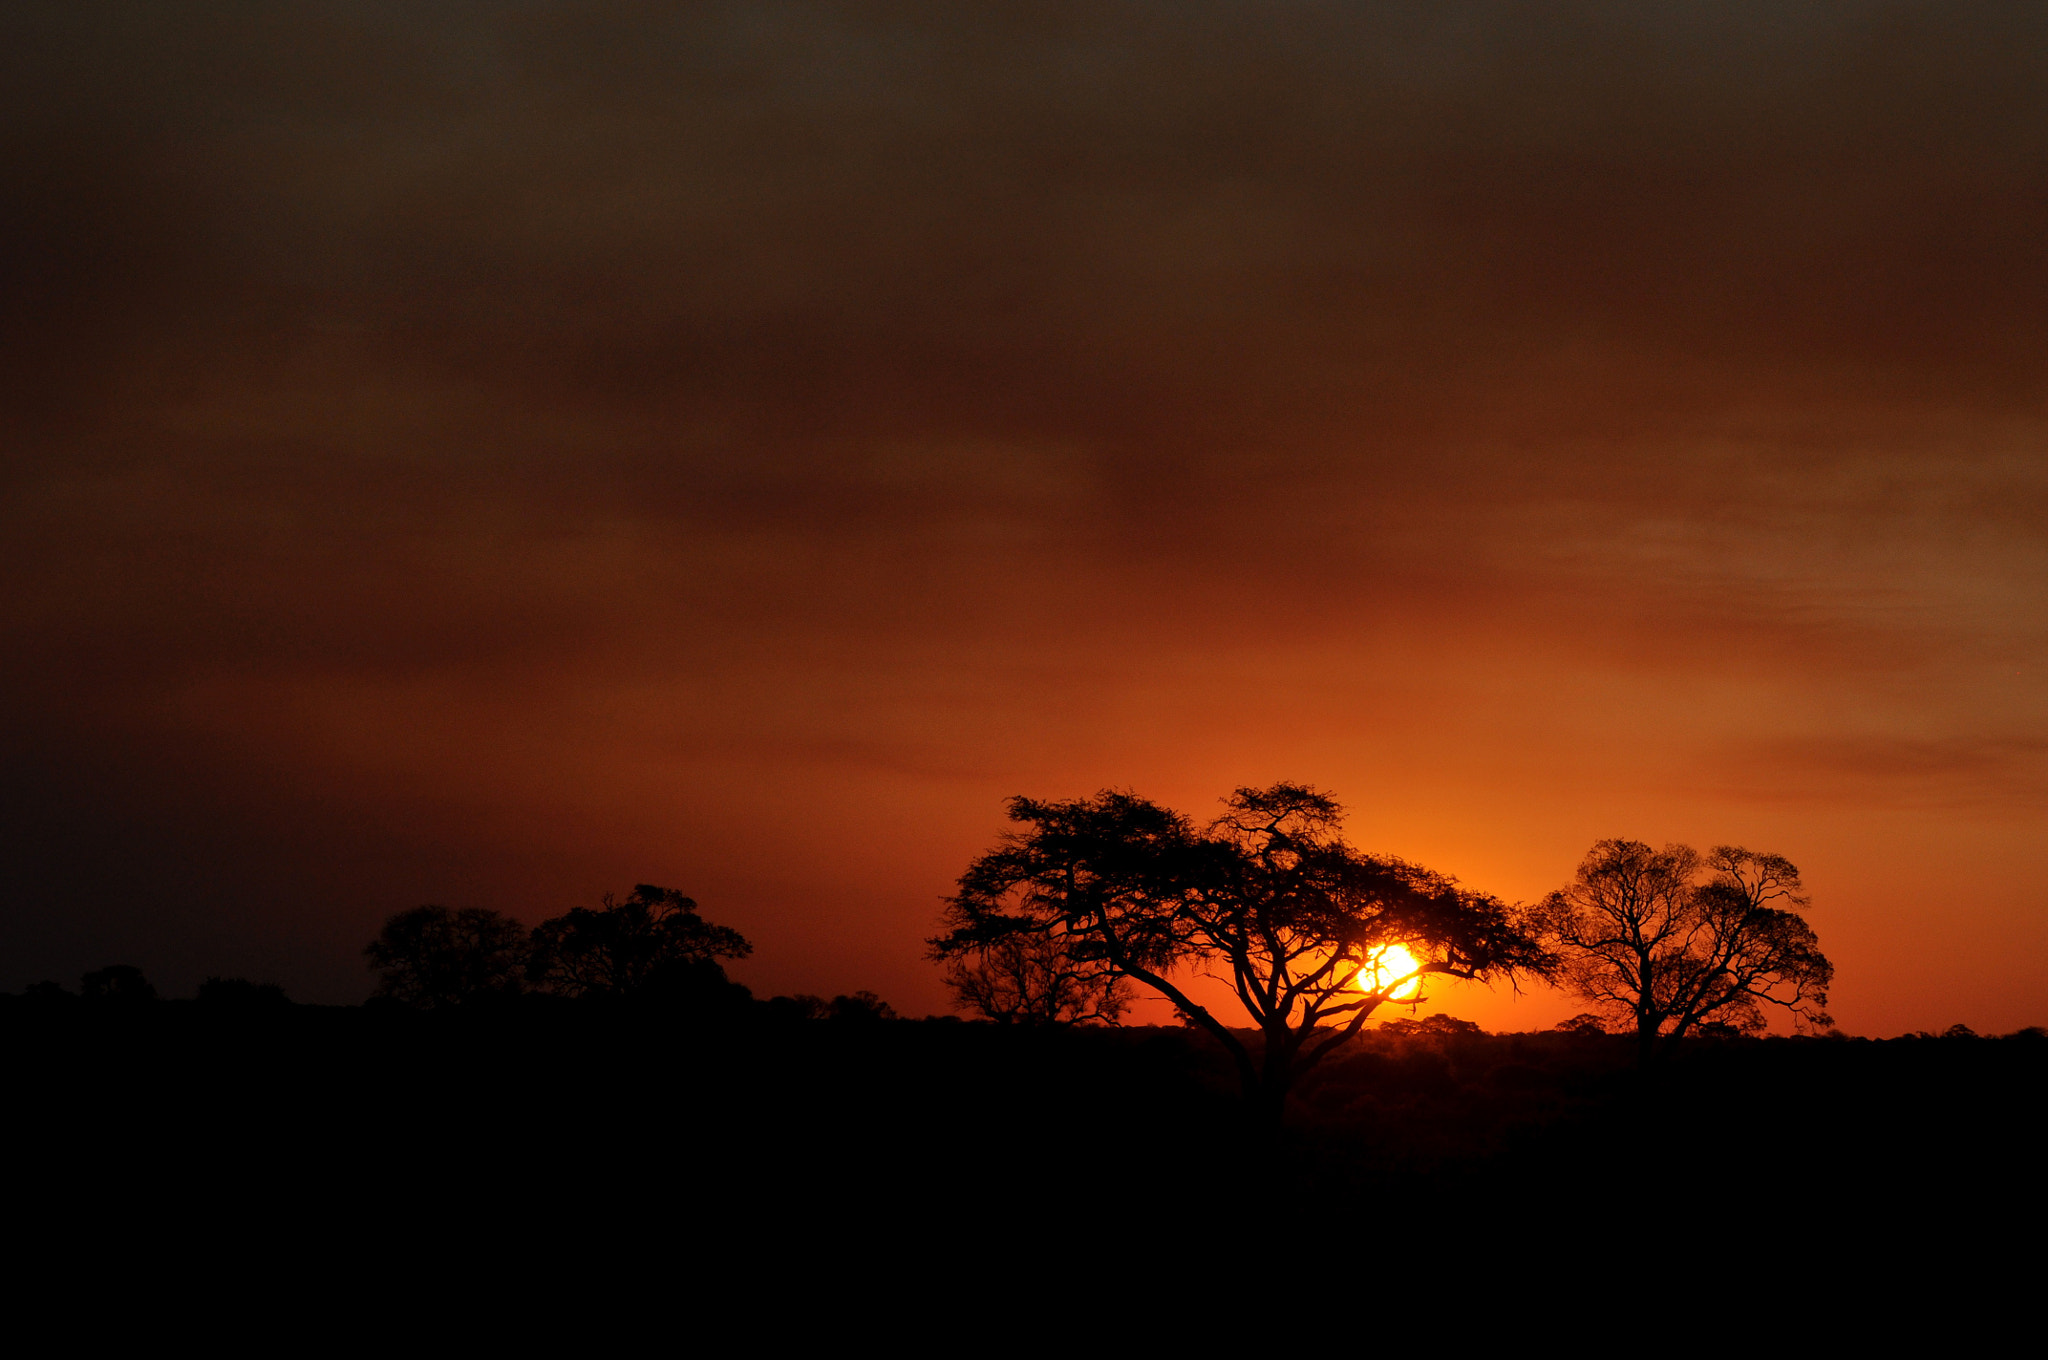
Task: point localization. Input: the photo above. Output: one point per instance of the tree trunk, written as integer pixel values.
(1267, 1098)
(1265, 1109)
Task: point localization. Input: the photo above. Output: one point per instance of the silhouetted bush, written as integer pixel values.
(1430, 1026)
(431, 956)
(861, 1008)
(694, 987)
(802, 1006)
(119, 982)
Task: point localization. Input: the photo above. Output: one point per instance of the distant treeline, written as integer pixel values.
(650, 950)
(117, 988)
(1089, 899)
(599, 1076)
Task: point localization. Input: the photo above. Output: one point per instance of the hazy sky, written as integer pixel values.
(499, 453)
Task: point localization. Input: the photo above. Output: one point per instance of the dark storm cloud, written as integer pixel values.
(801, 355)
(666, 201)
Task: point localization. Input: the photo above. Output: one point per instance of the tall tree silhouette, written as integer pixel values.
(652, 940)
(1312, 935)
(431, 956)
(1668, 941)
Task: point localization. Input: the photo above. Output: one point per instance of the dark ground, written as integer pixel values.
(275, 1121)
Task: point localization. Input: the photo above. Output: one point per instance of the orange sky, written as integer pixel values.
(498, 455)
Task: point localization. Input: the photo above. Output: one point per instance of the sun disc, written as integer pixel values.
(1387, 965)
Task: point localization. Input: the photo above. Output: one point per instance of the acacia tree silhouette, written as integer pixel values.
(653, 939)
(1269, 898)
(1650, 945)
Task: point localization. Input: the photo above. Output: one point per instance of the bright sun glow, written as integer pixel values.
(1386, 964)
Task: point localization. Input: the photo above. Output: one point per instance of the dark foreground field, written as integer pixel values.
(564, 1117)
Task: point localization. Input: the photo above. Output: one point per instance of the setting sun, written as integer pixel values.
(1387, 965)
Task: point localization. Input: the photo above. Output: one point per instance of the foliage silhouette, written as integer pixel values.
(802, 1006)
(861, 1008)
(1032, 979)
(652, 942)
(1669, 942)
(432, 957)
(1269, 898)
(118, 982)
(1431, 1027)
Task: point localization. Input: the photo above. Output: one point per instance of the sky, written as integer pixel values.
(497, 454)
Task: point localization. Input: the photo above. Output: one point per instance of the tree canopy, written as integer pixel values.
(652, 939)
(1311, 935)
(1668, 942)
(433, 956)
